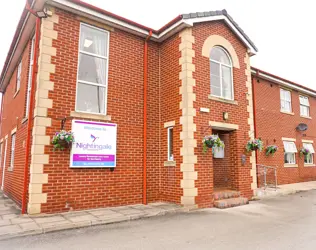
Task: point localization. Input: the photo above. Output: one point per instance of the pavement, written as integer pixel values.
(280, 223)
(13, 224)
(286, 189)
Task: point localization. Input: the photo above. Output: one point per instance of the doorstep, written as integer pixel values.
(13, 224)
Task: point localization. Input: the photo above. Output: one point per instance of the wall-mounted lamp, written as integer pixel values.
(38, 13)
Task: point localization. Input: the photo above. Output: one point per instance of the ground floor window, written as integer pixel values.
(309, 159)
(289, 152)
(170, 144)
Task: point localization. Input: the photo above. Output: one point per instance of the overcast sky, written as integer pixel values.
(284, 31)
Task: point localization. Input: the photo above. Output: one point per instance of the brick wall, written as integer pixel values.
(13, 114)
(92, 188)
(272, 125)
(241, 179)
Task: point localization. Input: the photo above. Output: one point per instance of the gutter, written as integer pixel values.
(281, 81)
(145, 119)
(30, 115)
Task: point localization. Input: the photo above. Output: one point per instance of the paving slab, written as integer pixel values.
(48, 219)
(56, 226)
(81, 218)
(31, 226)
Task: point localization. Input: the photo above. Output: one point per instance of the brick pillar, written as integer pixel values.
(189, 159)
(41, 119)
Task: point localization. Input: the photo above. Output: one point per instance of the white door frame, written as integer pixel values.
(4, 162)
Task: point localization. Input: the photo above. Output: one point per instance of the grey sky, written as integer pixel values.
(282, 30)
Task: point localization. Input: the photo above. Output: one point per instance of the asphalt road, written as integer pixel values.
(287, 222)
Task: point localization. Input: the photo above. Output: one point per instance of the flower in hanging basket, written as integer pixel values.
(253, 145)
(63, 139)
(271, 149)
(305, 151)
(212, 141)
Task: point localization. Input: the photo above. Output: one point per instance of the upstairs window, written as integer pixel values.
(286, 102)
(29, 82)
(92, 70)
(289, 152)
(304, 106)
(221, 74)
(18, 77)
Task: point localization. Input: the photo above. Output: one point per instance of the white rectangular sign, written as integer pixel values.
(94, 146)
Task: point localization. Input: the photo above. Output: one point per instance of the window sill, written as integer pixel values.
(169, 164)
(75, 114)
(287, 113)
(219, 99)
(16, 93)
(309, 165)
(306, 117)
(24, 120)
(290, 165)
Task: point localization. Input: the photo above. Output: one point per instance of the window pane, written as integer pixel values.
(215, 67)
(304, 100)
(93, 40)
(227, 82)
(215, 86)
(218, 54)
(308, 159)
(92, 69)
(90, 98)
(304, 110)
(289, 158)
(170, 143)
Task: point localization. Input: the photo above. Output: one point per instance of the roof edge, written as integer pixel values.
(279, 80)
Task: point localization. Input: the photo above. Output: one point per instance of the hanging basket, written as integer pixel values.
(254, 145)
(63, 139)
(305, 152)
(271, 149)
(212, 141)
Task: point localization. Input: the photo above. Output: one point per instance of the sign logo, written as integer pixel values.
(94, 138)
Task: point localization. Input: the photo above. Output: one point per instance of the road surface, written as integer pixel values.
(287, 222)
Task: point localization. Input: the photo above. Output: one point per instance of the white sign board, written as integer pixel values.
(94, 146)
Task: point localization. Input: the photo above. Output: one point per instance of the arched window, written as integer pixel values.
(221, 74)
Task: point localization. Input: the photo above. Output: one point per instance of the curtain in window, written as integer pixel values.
(100, 49)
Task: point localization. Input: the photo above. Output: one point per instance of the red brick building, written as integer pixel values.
(280, 107)
(165, 90)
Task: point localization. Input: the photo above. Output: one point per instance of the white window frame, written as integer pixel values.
(107, 70)
(18, 77)
(305, 106)
(29, 82)
(292, 153)
(284, 100)
(220, 74)
(4, 161)
(13, 143)
(311, 155)
(169, 156)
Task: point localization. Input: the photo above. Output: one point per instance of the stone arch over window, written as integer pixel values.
(216, 40)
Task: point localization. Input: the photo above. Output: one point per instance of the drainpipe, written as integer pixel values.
(254, 116)
(145, 119)
(30, 114)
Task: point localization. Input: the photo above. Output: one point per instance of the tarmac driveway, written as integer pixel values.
(287, 222)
